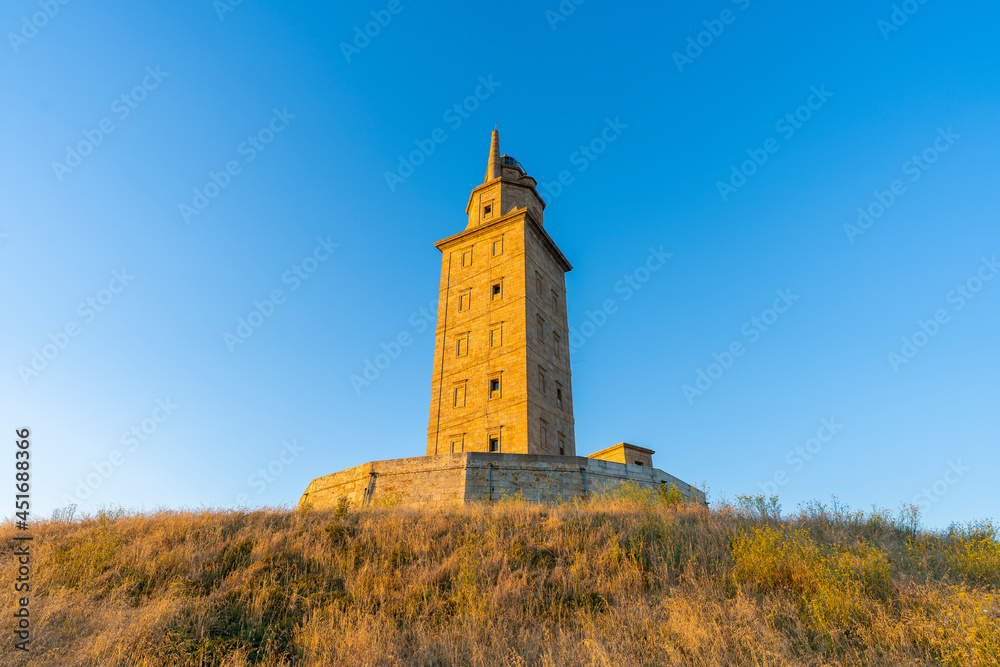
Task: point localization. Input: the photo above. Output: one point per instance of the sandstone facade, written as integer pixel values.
(501, 379)
(626, 453)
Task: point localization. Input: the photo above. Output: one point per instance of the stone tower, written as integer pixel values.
(501, 379)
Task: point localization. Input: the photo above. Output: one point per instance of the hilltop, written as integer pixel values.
(634, 579)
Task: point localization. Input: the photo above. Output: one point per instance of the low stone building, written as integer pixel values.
(501, 417)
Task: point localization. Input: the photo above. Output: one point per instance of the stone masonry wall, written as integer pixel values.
(426, 481)
(470, 420)
(452, 479)
(557, 478)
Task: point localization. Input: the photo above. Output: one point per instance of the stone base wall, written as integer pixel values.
(428, 481)
(454, 479)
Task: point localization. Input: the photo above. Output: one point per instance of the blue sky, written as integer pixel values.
(746, 137)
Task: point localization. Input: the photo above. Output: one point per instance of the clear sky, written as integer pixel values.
(165, 167)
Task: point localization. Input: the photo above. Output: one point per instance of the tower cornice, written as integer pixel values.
(515, 215)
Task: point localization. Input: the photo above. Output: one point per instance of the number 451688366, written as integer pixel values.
(22, 503)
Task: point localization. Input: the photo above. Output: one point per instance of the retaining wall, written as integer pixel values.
(453, 479)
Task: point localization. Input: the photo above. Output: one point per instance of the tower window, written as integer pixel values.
(555, 302)
(496, 335)
(541, 380)
(464, 300)
(493, 439)
(545, 435)
(538, 283)
(458, 395)
(562, 444)
(559, 394)
(496, 291)
(462, 345)
(487, 210)
(467, 257)
(540, 321)
(497, 246)
(494, 386)
(557, 343)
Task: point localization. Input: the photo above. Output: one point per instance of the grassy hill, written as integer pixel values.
(635, 579)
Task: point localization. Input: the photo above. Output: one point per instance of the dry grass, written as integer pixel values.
(634, 579)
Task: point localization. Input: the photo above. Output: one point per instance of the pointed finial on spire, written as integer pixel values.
(493, 167)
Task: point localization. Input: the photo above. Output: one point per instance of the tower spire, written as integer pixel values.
(493, 167)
